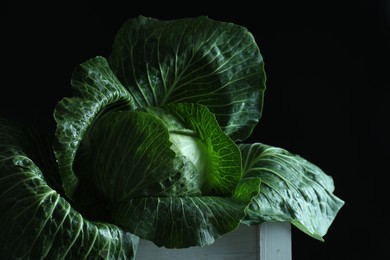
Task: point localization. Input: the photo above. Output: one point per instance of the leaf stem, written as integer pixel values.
(183, 131)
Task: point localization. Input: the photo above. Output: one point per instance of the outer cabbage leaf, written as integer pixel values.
(292, 189)
(179, 222)
(193, 60)
(36, 222)
(96, 90)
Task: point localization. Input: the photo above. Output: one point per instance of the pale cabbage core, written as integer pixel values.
(193, 149)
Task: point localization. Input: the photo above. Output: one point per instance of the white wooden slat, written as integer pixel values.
(275, 241)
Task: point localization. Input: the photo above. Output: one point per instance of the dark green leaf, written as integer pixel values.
(36, 222)
(292, 189)
(96, 91)
(179, 222)
(193, 60)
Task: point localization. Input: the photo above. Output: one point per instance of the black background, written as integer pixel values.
(327, 95)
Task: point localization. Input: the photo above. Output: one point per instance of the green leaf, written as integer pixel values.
(247, 189)
(36, 222)
(179, 222)
(193, 60)
(292, 189)
(97, 90)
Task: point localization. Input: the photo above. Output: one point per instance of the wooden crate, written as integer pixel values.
(268, 241)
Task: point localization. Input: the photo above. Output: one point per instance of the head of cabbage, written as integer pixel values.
(152, 145)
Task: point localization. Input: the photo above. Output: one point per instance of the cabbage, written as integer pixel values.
(152, 145)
